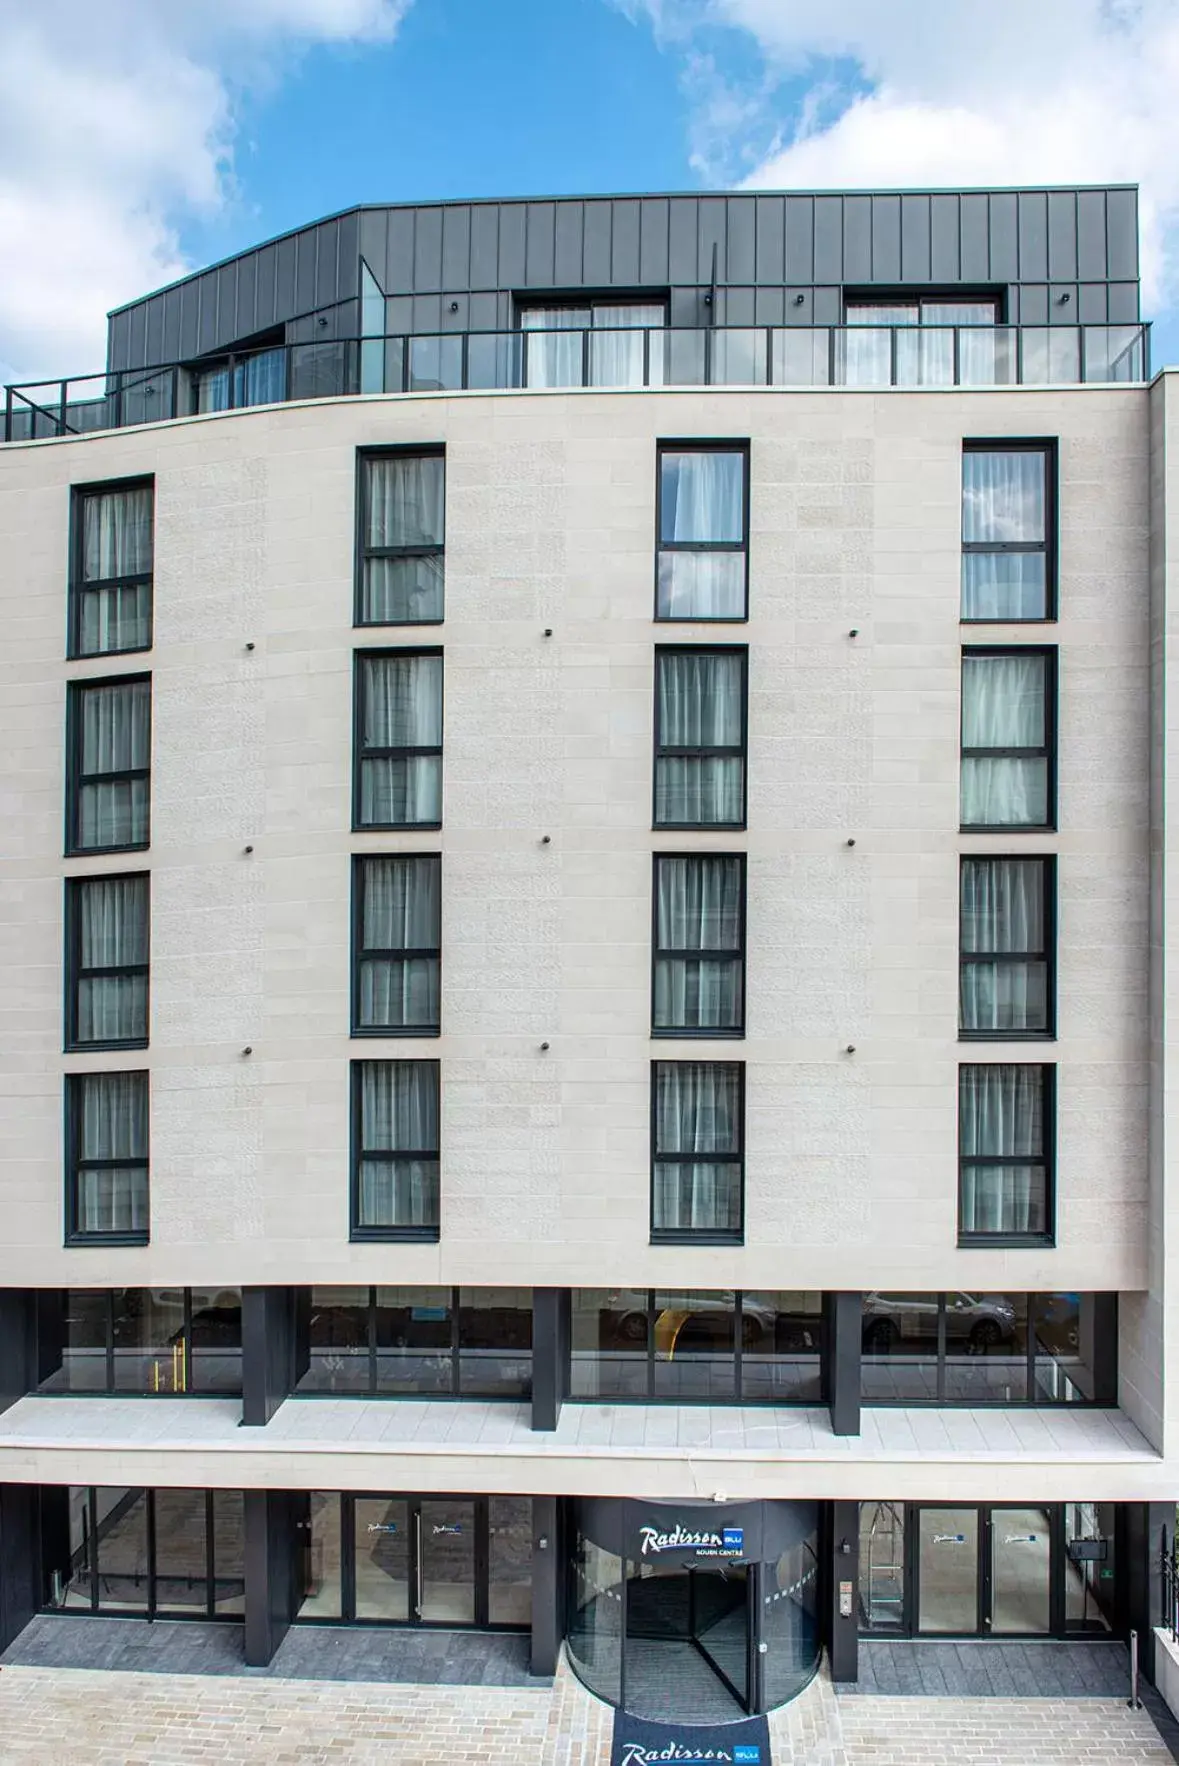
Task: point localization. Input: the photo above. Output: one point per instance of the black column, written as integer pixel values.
(1098, 1347)
(844, 1584)
(1149, 1527)
(842, 1319)
(268, 1352)
(551, 1330)
(20, 1559)
(271, 1545)
(546, 1586)
(18, 1344)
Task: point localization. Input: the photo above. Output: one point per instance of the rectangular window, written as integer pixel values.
(154, 1341)
(395, 1140)
(402, 532)
(109, 748)
(418, 1342)
(1005, 1121)
(697, 1151)
(106, 962)
(931, 340)
(700, 738)
(399, 739)
(107, 1160)
(698, 982)
(1005, 927)
(703, 527)
(1008, 531)
(1008, 719)
(111, 574)
(603, 344)
(398, 938)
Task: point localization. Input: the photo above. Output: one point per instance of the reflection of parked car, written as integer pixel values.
(980, 1321)
(705, 1321)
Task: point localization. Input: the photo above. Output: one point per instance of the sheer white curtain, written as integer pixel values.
(700, 701)
(399, 1117)
(1003, 502)
(1002, 908)
(113, 1197)
(1003, 707)
(116, 738)
(1001, 1121)
(698, 908)
(616, 345)
(697, 1105)
(402, 700)
(116, 543)
(555, 359)
(702, 503)
(402, 912)
(113, 934)
(406, 506)
(865, 343)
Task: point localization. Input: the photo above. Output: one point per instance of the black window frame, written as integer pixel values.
(76, 779)
(360, 954)
(1048, 751)
(153, 1575)
(360, 753)
(52, 1305)
(1047, 1160)
(75, 1164)
(664, 751)
(358, 1233)
(458, 1388)
(407, 451)
(739, 959)
(78, 588)
(1049, 446)
(1047, 955)
(702, 445)
(662, 1235)
(75, 974)
(939, 1354)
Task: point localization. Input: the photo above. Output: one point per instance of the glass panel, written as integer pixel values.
(229, 1549)
(436, 364)
(899, 1335)
(800, 356)
(1114, 352)
(509, 1589)
(1020, 1572)
(594, 1628)
(555, 355)
(947, 1570)
(216, 1351)
(925, 358)
(115, 737)
(694, 1338)
(181, 1562)
(986, 1349)
(495, 1342)
(617, 344)
(781, 1348)
(1004, 707)
(382, 1558)
(685, 355)
(790, 1626)
(739, 357)
(987, 357)
(446, 1573)
(319, 1570)
(720, 1621)
(372, 325)
(318, 371)
(1004, 585)
(122, 1550)
(117, 617)
(609, 1343)
(414, 1341)
(402, 591)
(882, 1566)
(1003, 495)
(338, 1341)
(1063, 1326)
(1090, 1582)
(83, 1357)
(863, 357)
(73, 1589)
(406, 500)
(494, 359)
(701, 585)
(401, 700)
(150, 1353)
(1051, 356)
(695, 1196)
(702, 496)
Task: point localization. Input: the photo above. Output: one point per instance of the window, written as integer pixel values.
(416, 1342)
(698, 984)
(1005, 926)
(402, 525)
(1004, 1136)
(930, 341)
(398, 946)
(106, 962)
(605, 343)
(153, 1341)
(702, 566)
(1008, 531)
(110, 581)
(975, 1349)
(151, 1553)
(1008, 716)
(106, 1175)
(108, 785)
(700, 738)
(395, 1142)
(697, 1151)
(257, 379)
(399, 739)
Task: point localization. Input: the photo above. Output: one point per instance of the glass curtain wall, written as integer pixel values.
(145, 1340)
(150, 1553)
(705, 1346)
(979, 1349)
(418, 1342)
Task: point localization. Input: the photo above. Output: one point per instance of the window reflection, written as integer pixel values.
(979, 1349)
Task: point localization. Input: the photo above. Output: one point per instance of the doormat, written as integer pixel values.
(640, 1742)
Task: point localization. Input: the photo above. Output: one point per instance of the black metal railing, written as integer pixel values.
(867, 356)
(1169, 1570)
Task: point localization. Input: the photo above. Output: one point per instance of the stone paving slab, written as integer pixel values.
(998, 1732)
(998, 1668)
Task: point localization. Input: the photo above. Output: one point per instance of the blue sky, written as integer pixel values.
(157, 137)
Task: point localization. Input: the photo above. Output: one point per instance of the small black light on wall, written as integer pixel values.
(799, 299)
(845, 1548)
(1064, 299)
(454, 306)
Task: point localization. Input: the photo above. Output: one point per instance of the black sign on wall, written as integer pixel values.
(640, 1742)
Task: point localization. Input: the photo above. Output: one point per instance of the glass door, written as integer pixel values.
(1019, 1602)
(719, 1624)
(444, 1538)
(948, 1570)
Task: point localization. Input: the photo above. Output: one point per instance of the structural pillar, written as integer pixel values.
(271, 1590)
(551, 1348)
(844, 1567)
(20, 1559)
(18, 1344)
(843, 1329)
(1149, 1529)
(546, 1586)
(268, 1352)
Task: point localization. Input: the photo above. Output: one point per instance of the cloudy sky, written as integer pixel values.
(140, 138)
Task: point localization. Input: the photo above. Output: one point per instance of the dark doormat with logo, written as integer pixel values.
(640, 1742)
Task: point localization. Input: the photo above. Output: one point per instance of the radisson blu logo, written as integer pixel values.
(729, 1542)
(741, 1754)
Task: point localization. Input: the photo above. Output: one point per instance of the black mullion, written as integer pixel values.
(455, 1344)
(92, 1515)
(152, 1600)
(210, 1554)
(482, 1565)
(110, 1339)
(371, 1324)
(347, 1504)
(650, 1343)
(941, 1349)
(1030, 1346)
(186, 1339)
(738, 1344)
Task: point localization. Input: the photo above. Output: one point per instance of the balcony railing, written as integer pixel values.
(490, 361)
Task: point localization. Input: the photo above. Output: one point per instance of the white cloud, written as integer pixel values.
(116, 120)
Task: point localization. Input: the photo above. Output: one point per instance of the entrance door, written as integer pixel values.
(719, 1619)
(948, 1570)
(984, 1572)
(1020, 1582)
(444, 1537)
(688, 1629)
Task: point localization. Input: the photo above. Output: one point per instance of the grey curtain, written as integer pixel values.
(1003, 503)
(116, 738)
(697, 1111)
(700, 702)
(402, 911)
(1002, 910)
(702, 503)
(406, 503)
(113, 1126)
(1001, 1121)
(1003, 706)
(402, 701)
(113, 934)
(399, 1116)
(116, 543)
(698, 908)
